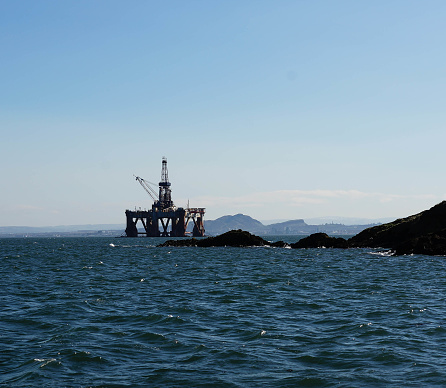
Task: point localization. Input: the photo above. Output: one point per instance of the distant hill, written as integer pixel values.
(293, 227)
(288, 227)
(238, 221)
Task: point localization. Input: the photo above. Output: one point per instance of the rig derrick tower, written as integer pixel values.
(164, 219)
(165, 193)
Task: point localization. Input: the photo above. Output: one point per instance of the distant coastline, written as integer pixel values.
(213, 227)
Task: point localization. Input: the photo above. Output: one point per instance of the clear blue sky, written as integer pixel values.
(276, 109)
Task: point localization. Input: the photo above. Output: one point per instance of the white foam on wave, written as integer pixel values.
(382, 253)
(44, 361)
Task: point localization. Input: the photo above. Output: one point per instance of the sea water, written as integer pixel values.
(107, 312)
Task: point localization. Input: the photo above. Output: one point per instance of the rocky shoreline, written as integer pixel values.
(422, 233)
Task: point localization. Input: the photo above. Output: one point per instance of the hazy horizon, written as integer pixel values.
(309, 221)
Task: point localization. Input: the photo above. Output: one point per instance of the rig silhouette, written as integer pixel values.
(164, 219)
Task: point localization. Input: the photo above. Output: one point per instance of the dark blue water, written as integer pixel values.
(122, 313)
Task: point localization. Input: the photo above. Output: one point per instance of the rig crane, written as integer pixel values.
(146, 186)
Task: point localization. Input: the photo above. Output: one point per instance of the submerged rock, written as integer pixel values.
(320, 240)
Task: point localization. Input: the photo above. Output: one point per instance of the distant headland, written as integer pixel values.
(292, 227)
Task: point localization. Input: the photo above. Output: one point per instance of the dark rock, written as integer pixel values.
(430, 244)
(233, 238)
(279, 244)
(320, 240)
(190, 242)
(423, 233)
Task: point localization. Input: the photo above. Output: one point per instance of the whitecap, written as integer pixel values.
(382, 253)
(44, 361)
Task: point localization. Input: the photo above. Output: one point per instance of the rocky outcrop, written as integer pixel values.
(429, 244)
(233, 238)
(423, 233)
(190, 242)
(320, 240)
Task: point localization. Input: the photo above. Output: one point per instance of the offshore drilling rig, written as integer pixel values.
(164, 219)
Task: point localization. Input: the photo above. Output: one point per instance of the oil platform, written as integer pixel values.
(164, 219)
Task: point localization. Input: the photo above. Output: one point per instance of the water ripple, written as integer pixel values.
(101, 313)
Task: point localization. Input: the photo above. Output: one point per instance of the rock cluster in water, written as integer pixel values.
(423, 233)
(233, 238)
